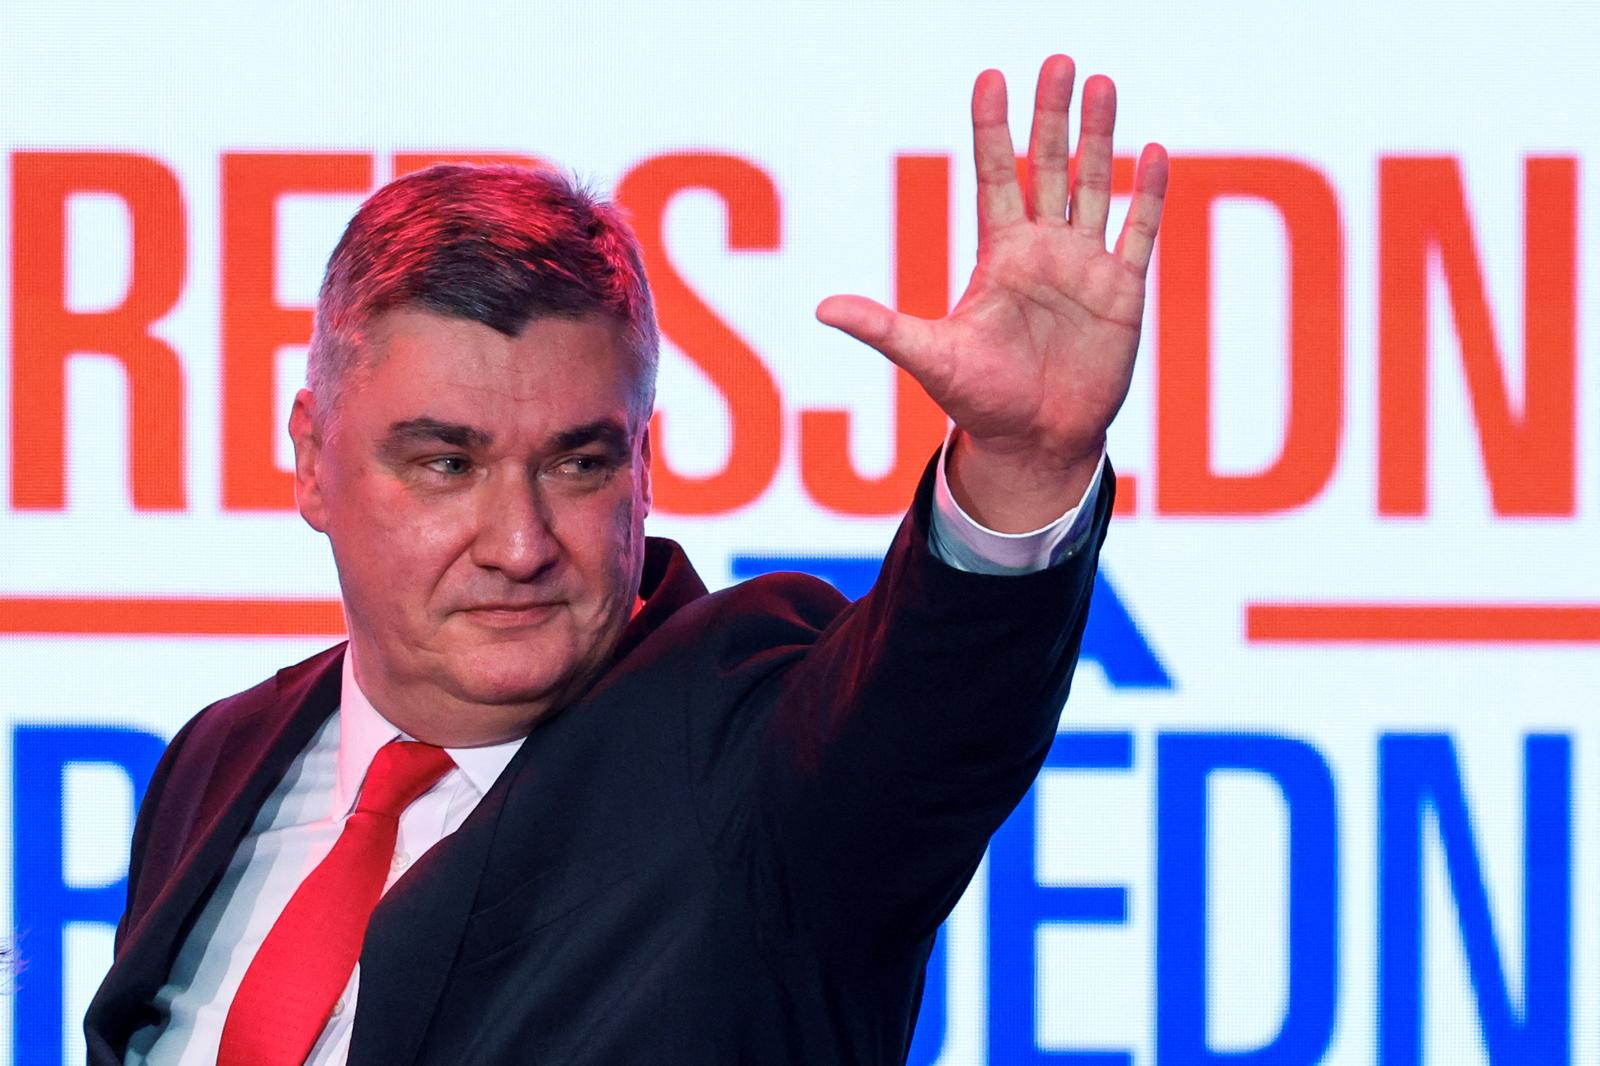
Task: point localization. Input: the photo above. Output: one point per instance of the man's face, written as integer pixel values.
(485, 499)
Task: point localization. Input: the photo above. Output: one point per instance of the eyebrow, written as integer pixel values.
(425, 429)
(606, 431)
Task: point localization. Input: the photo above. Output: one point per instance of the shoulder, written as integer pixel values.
(262, 705)
(225, 737)
(682, 623)
(756, 618)
(216, 748)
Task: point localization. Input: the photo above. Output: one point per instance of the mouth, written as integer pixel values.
(510, 615)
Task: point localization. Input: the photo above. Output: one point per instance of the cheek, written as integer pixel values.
(628, 535)
(611, 545)
(622, 522)
(399, 541)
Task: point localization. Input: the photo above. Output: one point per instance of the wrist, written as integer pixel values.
(1015, 490)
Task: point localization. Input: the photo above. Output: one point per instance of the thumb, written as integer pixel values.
(901, 338)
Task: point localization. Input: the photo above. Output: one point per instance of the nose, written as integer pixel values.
(515, 533)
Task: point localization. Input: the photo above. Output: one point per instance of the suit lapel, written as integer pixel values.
(416, 931)
(253, 755)
(668, 583)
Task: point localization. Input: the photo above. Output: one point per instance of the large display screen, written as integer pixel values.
(1327, 789)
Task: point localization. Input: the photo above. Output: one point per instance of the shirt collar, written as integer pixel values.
(363, 730)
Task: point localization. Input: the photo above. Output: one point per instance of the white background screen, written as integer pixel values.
(1326, 790)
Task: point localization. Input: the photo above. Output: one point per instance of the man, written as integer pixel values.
(612, 818)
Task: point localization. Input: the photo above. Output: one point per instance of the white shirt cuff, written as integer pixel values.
(959, 541)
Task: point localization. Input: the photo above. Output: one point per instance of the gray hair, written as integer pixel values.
(499, 245)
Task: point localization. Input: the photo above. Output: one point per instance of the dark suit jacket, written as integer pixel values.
(734, 848)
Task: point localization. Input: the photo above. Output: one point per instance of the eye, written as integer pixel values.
(450, 465)
(584, 466)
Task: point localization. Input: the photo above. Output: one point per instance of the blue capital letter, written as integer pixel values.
(1185, 762)
(1418, 774)
(42, 901)
(1019, 905)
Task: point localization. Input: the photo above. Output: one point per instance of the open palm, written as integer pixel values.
(1035, 359)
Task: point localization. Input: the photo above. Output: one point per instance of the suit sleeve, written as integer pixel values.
(909, 732)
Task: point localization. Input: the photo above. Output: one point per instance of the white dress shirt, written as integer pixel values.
(301, 820)
(294, 832)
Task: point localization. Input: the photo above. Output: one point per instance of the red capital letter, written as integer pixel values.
(921, 288)
(254, 325)
(754, 411)
(1188, 482)
(44, 333)
(1530, 456)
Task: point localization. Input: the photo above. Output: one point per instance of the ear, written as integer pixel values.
(644, 469)
(308, 460)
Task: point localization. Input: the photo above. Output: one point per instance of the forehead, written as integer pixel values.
(416, 363)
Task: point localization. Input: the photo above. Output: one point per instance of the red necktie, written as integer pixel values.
(306, 960)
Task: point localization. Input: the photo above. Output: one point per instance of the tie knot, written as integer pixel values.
(401, 772)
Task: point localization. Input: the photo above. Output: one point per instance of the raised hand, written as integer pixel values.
(1035, 359)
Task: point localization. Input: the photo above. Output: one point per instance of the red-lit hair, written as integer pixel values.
(500, 245)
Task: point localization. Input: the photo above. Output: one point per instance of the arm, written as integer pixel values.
(921, 716)
(908, 732)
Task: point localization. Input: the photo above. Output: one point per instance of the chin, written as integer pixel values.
(506, 675)
(506, 688)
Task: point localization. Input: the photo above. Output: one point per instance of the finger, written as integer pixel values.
(901, 338)
(999, 198)
(1091, 190)
(1047, 143)
(1138, 237)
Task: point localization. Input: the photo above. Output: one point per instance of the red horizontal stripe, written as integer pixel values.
(1426, 623)
(1264, 622)
(163, 616)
